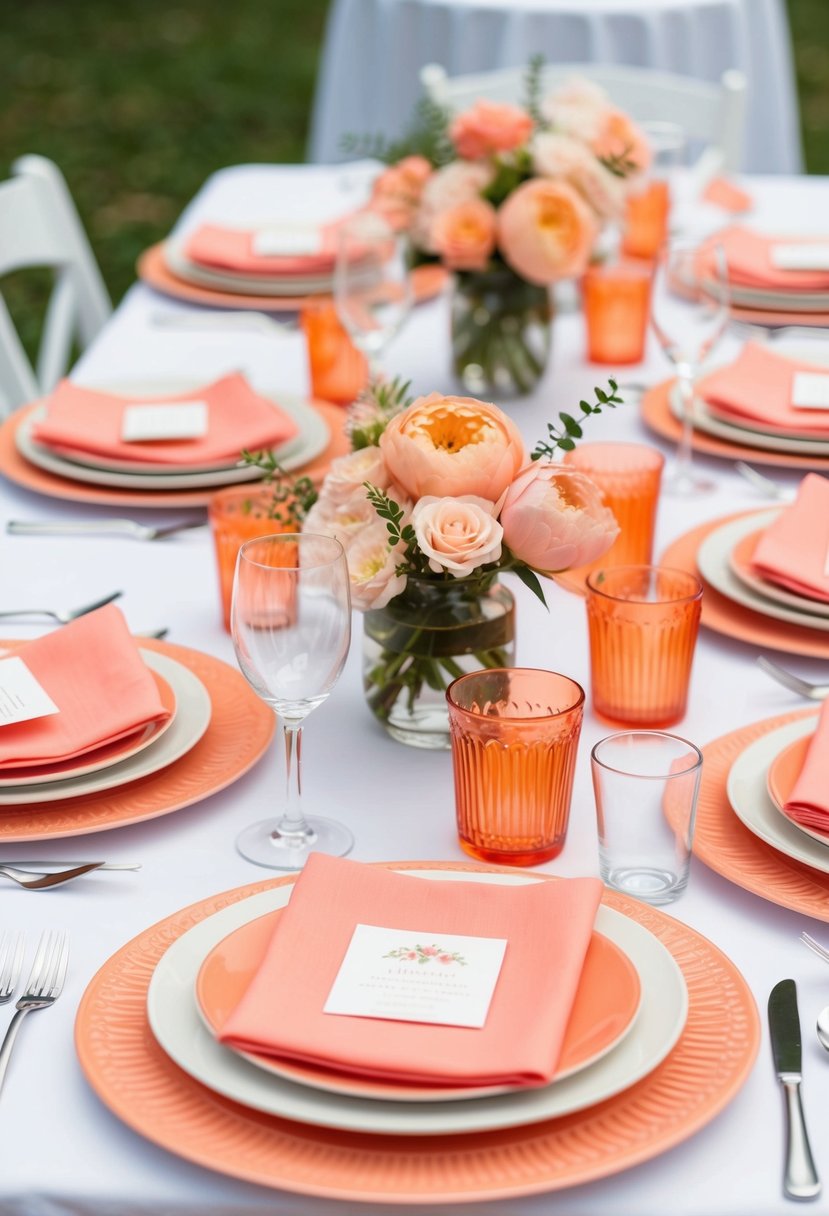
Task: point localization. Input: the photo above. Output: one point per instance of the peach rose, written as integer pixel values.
(554, 518)
(449, 446)
(396, 193)
(348, 474)
(458, 182)
(546, 231)
(562, 156)
(344, 521)
(372, 569)
(490, 127)
(464, 236)
(618, 138)
(457, 534)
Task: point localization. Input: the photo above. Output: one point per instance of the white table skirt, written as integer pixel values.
(374, 49)
(63, 1153)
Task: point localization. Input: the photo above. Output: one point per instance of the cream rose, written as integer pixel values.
(344, 521)
(348, 474)
(562, 156)
(457, 534)
(372, 569)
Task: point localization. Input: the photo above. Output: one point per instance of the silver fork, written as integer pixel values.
(62, 616)
(815, 946)
(44, 986)
(805, 688)
(11, 960)
(101, 527)
(761, 482)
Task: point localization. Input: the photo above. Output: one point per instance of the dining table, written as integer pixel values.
(64, 1153)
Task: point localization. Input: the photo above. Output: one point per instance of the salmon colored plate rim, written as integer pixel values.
(427, 281)
(584, 1044)
(18, 470)
(723, 616)
(132, 1076)
(778, 316)
(656, 414)
(726, 846)
(102, 756)
(240, 731)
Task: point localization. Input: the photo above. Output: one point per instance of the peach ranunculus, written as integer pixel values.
(349, 473)
(457, 534)
(546, 231)
(464, 236)
(554, 518)
(563, 157)
(458, 182)
(396, 193)
(450, 446)
(618, 138)
(372, 569)
(490, 127)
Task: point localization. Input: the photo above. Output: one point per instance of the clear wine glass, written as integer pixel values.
(291, 625)
(372, 283)
(689, 314)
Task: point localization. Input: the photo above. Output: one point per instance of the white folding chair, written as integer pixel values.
(39, 226)
(712, 115)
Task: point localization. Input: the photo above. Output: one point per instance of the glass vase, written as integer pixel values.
(501, 332)
(424, 639)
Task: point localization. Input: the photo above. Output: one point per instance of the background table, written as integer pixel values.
(374, 49)
(63, 1153)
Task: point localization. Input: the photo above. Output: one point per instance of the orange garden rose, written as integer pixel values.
(546, 231)
(490, 127)
(619, 138)
(464, 235)
(452, 446)
(397, 191)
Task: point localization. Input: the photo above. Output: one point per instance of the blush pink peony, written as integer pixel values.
(490, 127)
(554, 518)
(447, 446)
(372, 569)
(464, 235)
(457, 535)
(546, 231)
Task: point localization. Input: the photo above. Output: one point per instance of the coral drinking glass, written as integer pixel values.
(617, 301)
(339, 372)
(237, 515)
(646, 219)
(515, 734)
(643, 623)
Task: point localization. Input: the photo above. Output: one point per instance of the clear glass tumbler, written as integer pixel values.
(646, 785)
(515, 734)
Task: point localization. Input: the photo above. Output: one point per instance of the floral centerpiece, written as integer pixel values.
(512, 199)
(435, 501)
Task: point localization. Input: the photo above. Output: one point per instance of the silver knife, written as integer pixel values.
(800, 1180)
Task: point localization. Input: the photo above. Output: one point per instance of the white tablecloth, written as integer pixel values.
(374, 49)
(63, 1153)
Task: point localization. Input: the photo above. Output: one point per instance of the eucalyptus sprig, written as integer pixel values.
(427, 135)
(291, 500)
(565, 436)
(534, 91)
(392, 513)
(620, 163)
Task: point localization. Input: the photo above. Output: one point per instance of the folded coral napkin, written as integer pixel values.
(547, 927)
(722, 192)
(234, 250)
(793, 551)
(749, 258)
(81, 421)
(758, 387)
(94, 673)
(808, 803)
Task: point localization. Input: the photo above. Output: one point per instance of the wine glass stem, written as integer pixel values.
(684, 451)
(292, 822)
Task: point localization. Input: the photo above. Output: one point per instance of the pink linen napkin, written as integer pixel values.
(547, 927)
(81, 421)
(793, 550)
(748, 255)
(757, 387)
(808, 803)
(727, 194)
(232, 250)
(92, 670)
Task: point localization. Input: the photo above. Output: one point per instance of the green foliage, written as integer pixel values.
(427, 135)
(530, 579)
(619, 164)
(565, 436)
(534, 91)
(374, 409)
(392, 513)
(291, 500)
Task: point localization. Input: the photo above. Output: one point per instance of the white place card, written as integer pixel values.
(22, 697)
(164, 420)
(286, 242)
(406, 975)
(813, 256)
(810, 391)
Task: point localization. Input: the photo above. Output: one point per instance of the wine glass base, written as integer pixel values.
(687, 485)
(264, 845)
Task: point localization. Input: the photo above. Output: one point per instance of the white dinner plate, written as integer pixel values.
(312, 439)
(714, 564)
(191, 720)
(244, 284)
(176, 1023)
(778, 595)
(753, 805)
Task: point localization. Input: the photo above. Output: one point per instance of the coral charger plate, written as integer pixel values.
(141, 1085)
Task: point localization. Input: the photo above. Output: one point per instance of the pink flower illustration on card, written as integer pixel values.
(426, 954)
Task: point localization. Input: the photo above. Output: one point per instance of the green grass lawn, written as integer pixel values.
(139, 100)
